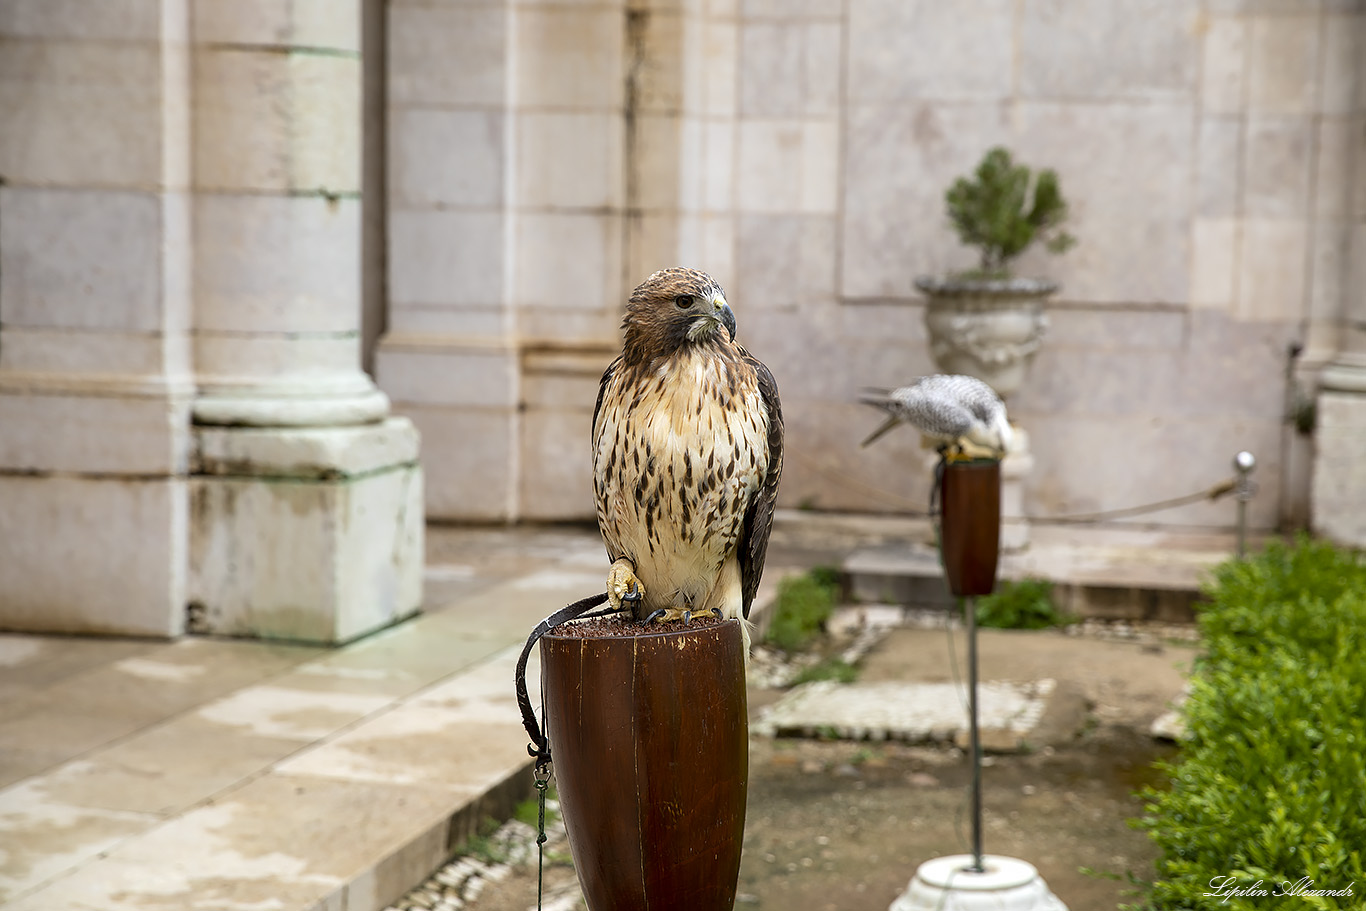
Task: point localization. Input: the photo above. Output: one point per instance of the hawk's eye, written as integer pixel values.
(683, 301)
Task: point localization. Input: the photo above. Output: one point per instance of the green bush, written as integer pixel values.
(804, 604)
(1004, 208)
(1026, 604)
(1271, 785)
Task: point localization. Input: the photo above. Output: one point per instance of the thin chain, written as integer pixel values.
(541, 785)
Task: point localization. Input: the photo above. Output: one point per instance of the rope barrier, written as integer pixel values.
(1212, 493)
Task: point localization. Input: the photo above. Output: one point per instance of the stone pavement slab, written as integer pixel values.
(910, 712)
(247, 776)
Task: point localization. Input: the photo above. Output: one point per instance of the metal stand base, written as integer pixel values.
(950, 884)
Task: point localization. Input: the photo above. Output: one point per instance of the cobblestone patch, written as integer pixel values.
(490, 860)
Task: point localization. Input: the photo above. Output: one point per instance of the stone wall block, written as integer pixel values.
(276, 121)
(93, 434)
(89, 352)
(1343, 70)
(276, 263)
(571, 57)
(1283, 59)
(970, 57)
(1129, 159)
(1107, 49)
(75, 20)
(720, 63)
(1277, 165)
(820, 166)
(449, 257)
(484, 378)
(786, 262)
(769, 177)
(81, 113)
(1272, 264)
(575, 159)
(1328, 268)
(717, 165)
(443, 158)
(1224, 68)
(81, 259)
(1214, 262)
(539, 325)
(557, 463)
(570, 259)
(661, 157)
(84, 555)
(472, 477)
(718, 246)
(772, 82)
(330, 24)
(1217, 166)
(487, 322)
(822, 67)
(900, 159)
(1333, 168)
(447, 56)
(663, 80)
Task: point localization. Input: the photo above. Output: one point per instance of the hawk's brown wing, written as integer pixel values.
(753, 545)
(598, 480)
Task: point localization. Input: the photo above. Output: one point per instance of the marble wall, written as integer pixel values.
(800, 151)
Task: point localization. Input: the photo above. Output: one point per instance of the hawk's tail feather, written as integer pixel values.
(886, 426)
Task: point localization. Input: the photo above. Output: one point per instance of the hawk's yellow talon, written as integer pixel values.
(623, 584)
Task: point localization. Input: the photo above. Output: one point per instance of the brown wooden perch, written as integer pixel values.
(650, 737)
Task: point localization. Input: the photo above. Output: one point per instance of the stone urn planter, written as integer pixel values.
(987, 328)
(651, 757)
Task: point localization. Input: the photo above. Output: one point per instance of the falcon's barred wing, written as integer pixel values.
(753, 545)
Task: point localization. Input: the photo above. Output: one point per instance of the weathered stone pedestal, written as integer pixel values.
(309, 534)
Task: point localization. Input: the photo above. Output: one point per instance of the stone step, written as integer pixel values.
(1112, 574)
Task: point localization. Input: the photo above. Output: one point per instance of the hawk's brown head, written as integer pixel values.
(673, 309)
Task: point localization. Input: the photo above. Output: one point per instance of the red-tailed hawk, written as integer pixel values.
(687, 452)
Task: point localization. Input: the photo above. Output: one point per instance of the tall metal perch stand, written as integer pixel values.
(969, 545)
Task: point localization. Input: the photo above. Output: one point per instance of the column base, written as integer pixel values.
(1338, 487)
(305, 534)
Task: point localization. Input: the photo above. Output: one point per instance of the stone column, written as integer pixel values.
(306, 518)
(95, 384)
(1339, 474)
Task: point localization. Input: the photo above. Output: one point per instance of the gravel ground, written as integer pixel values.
(841, 826)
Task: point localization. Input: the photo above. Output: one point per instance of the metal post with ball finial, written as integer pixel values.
(969, 546)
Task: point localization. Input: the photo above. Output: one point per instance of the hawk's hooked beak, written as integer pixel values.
(727, 317)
